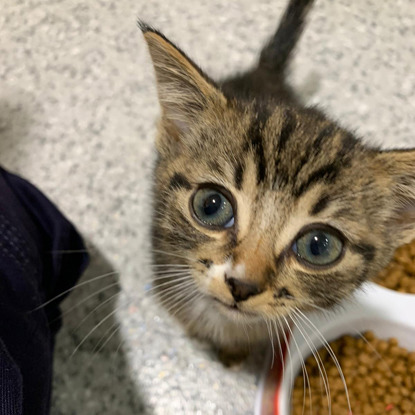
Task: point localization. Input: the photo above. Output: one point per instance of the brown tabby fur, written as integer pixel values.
(287, 166)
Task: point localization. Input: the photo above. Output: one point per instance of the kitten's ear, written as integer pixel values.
(184, 91)
(400, 166)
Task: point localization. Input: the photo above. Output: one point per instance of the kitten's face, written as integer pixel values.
(297, 225)
(270, 207)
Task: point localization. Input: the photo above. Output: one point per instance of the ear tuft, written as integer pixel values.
(184, 91)
(143, 26)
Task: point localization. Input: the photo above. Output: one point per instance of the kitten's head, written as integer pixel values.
(272, 207)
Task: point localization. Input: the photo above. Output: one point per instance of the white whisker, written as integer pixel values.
(271, 339)
(96, 309)
(89, 296)
(311, 325)
(171, 281)
(99, 277)
(169, 274)
(279, 346)
(317, 358)
(287, 345)
(169, 301)
(98, 325)
(186, 300)
(306, 379)
(159, 251)
(96, 352)
(176, 288)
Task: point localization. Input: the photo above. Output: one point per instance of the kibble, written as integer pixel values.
(377, 373)
(399, 275)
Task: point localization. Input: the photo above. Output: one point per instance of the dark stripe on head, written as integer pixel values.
(178, 181)
(345, 212)
(320, 205)
(323, 135)
(239, 174)
(287, 128)
(216, 167)
(367, 251)
(255, 137)
(301, 164)
(348, 143)
(315, 148)
(327, 174)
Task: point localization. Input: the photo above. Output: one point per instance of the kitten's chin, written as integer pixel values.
(233, 312)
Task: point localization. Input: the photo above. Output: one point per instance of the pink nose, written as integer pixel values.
(241, 290)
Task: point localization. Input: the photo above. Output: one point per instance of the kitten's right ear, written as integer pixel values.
(184, 91)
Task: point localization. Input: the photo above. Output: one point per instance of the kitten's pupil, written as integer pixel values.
(212, 204)
(319, 244)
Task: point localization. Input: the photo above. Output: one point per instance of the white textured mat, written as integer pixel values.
(77, 117)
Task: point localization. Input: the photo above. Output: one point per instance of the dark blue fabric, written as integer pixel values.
(33, 269)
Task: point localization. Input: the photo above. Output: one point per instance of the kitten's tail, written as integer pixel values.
(267, 78)
(275, 56)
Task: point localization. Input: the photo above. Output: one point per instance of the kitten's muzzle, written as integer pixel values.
(241, 290)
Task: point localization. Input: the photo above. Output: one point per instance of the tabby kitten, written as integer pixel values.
(264, 205)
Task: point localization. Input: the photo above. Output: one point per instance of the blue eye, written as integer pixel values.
(319, 247)
(213, 208)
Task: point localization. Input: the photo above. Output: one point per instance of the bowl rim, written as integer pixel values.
(371, 307)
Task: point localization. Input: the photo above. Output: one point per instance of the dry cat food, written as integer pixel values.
(399, 275)
(381, 382)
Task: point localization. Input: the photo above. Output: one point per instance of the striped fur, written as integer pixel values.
(287, 166)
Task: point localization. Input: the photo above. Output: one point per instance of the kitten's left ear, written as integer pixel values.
(184, 91)
(400, 166)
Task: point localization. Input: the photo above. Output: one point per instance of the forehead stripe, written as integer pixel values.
(326, 174)
(239, 174)
(287, 128)
(254, 134)
(320, 205)
(178, 181)
(323, 135)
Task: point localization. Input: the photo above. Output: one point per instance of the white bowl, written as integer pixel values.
(384, 312)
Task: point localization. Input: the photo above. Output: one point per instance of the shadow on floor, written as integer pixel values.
(91, 372)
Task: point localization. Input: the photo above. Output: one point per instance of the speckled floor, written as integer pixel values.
(77, 117)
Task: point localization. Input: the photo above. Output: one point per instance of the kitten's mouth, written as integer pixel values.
(234, 308)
